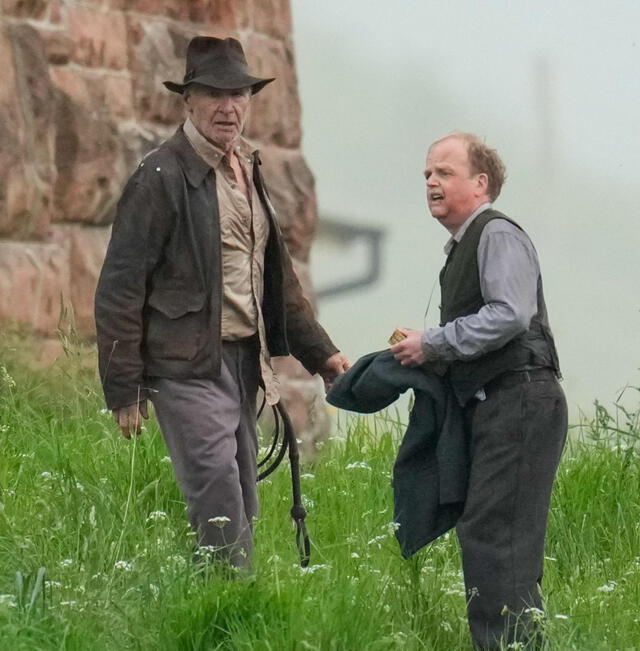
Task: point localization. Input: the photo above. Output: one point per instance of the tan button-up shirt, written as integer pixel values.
(244, 230)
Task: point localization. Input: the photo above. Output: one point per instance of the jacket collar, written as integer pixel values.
(195, 168)
(194, 165)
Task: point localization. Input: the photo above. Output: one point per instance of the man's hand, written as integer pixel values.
(409, 351)
(129, 418)
(336, 364)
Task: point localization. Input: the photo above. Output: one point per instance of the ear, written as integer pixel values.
(482, 181)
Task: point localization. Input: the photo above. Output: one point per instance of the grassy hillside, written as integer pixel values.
(95, 551)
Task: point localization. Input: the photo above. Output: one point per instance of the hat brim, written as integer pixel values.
(255, 83)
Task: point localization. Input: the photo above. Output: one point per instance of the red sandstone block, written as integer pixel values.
(100, 37)
(59, 47)
(292, 189)
(118, 96)
(33, 277)
(273, 18)
(219, 13)
(25, 8)
(275, 111)
(56, 12)
(157, 51)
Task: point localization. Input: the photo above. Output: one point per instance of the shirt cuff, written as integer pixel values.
(435, 346)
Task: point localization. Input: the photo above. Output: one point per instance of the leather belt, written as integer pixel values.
(512, 378)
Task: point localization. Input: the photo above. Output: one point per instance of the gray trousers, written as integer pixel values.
(516, 435)
(209, 426)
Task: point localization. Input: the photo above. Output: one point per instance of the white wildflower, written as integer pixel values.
(307, 475)
(561, 616)
(165, 460)
(391, 527)
(46, 475)
(377, 540)
(206, 549)
(155, 590)
(66, 562)
(219, 520)
(312, 568)
(5, 378)
(7, 600)
(123, 565)
(177, 560)
(358, 464)
(355, 555)
(157, 515)
(457, 592)
(608, 587)
(53, 584)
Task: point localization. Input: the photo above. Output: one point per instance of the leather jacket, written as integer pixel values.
(159, 297)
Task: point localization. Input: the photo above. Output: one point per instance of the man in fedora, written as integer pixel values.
(495, 341)
(196, 294)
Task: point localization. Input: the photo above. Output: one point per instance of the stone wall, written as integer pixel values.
(82, 101)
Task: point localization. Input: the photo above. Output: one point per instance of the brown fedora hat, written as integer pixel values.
(219, 63)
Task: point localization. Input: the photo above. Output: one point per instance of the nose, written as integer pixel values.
(226, 103)
(432, 181)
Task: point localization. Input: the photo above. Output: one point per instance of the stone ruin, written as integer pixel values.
(82, 101)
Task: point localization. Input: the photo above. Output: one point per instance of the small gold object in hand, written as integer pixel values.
(397, 337)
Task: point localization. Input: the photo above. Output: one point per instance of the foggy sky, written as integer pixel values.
(555, 87)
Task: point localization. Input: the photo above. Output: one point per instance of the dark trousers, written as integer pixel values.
(209, 426)
(516, 436)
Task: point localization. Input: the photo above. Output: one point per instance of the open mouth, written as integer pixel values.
(436, 196)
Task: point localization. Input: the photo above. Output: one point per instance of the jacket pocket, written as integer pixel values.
(176, 321)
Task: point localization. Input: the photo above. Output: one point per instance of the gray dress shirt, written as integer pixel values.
(509, 271)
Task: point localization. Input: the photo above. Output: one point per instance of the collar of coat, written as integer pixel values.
(194, 166)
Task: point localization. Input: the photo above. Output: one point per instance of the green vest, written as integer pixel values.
(461, 296)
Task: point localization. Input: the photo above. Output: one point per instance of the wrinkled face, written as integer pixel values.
(453, 190)
(219, 115)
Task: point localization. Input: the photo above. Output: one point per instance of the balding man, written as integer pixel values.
(496, 345)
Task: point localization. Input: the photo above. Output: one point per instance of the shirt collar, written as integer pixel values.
(463, 229)
(210, 153)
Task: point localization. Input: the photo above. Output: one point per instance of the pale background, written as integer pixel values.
(555, 87)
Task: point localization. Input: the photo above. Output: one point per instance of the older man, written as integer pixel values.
(495, 342)
(197, 292)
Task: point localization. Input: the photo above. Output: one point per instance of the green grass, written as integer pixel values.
(105, 520)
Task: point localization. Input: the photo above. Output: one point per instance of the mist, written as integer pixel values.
(554, 87)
